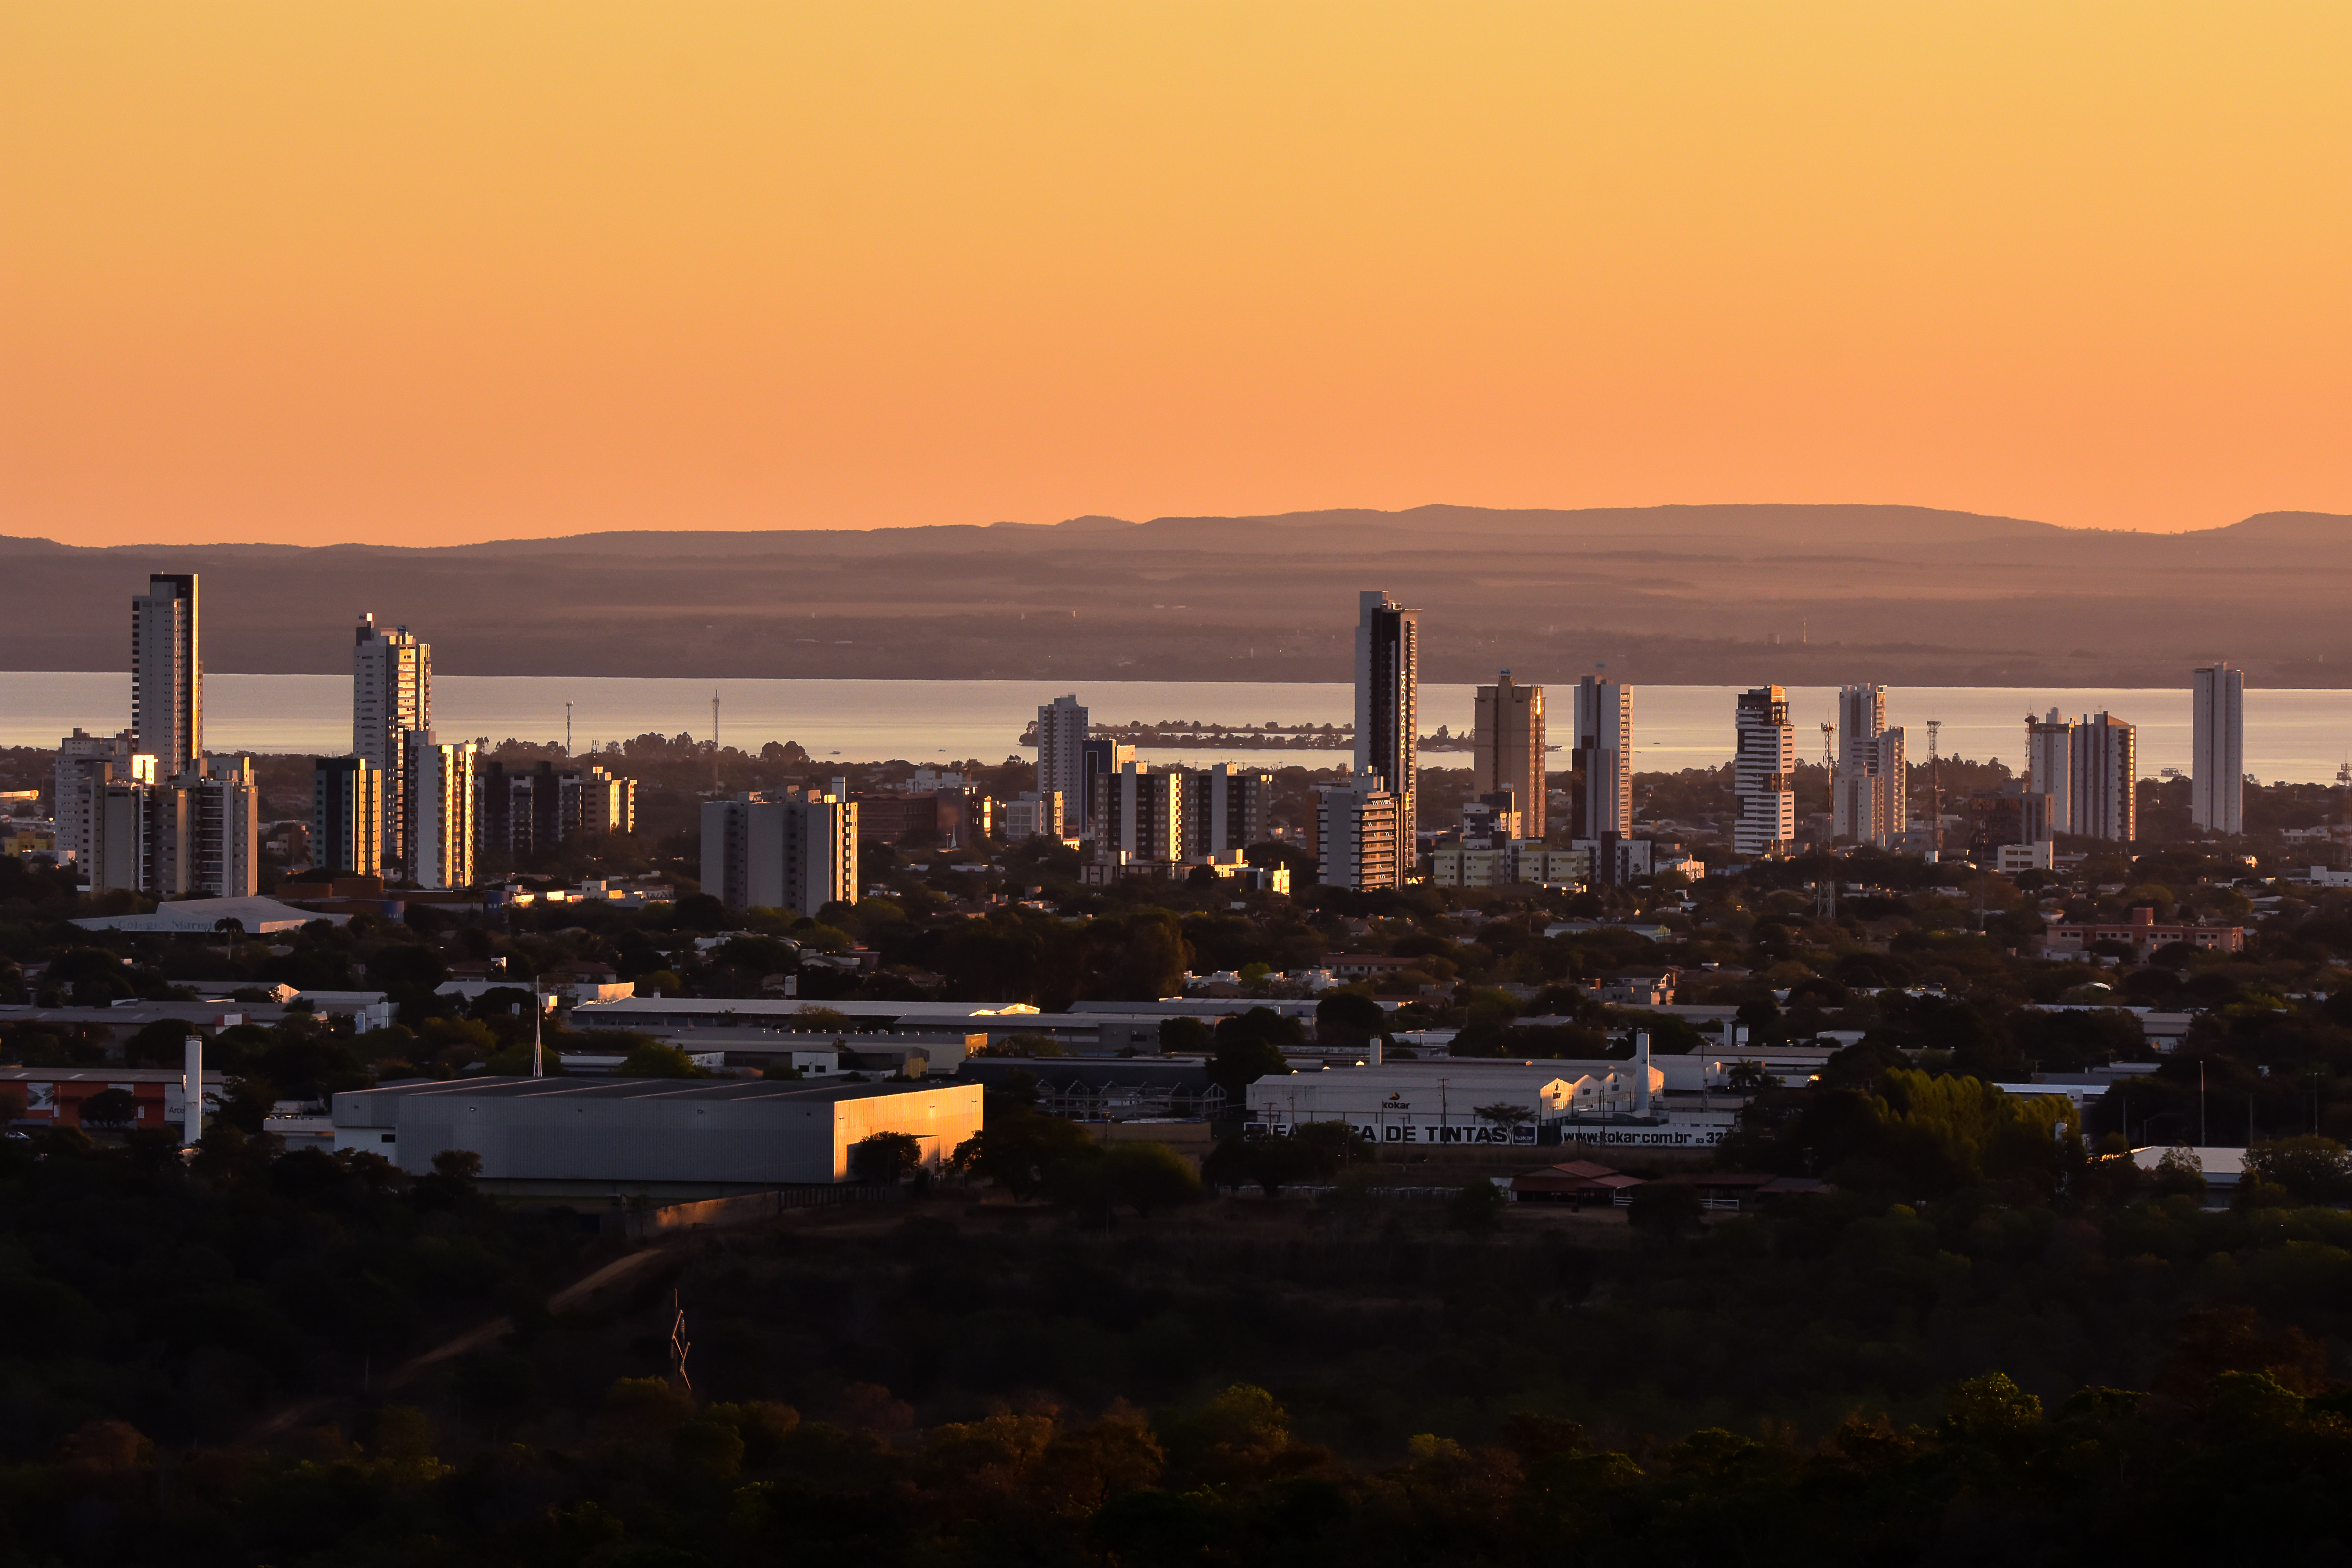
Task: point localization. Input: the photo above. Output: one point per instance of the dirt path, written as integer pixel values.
(473, 1339)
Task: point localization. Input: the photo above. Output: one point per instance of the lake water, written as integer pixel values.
(2294, 735)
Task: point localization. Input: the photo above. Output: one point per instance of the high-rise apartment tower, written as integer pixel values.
(347, 815)
(2050, 767)
(391, 693)
(2103, 767)
(1507, 748)
(167, 673)
(1766, 755)
(1871, 802)
(1062, 758)
(1603, 755)
(1388, 707)
(437, 830)
(2217, 768)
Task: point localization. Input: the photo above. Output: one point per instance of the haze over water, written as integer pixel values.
(2299, 736)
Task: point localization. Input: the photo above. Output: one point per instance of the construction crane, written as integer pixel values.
(1828, 902)
(1936, 787)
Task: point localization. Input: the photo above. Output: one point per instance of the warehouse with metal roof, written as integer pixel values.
(548, 1133)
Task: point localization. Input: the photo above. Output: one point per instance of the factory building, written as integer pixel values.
(646, 1133)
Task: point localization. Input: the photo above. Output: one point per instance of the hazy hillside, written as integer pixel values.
(1670, 594)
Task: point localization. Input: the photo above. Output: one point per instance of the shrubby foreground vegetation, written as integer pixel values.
(2050, 1358)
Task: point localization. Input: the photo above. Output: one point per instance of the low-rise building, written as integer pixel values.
(553, 1134)
(54, 1097)
(2142, 935)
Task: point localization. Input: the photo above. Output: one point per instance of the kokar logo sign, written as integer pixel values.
(1656, 1137)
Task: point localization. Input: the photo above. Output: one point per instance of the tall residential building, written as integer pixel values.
(2104, 768)
(1767, 753)
(1138, 815)
(347, 815)
(1096, 760)
(207, 827)
(1356, 833)
(196, 835)
(2050, 767)
(1388, 707)
(1226, 810)
(1507, 748)
(1871, 802)
(1062, 758)
(82, 756)
(391, 693)
(1604, 756)
(793, 850)
(167, 673)
(438, 831)
(2217, 769)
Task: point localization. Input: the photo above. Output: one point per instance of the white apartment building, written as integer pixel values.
(392, 694)
(1388, 710)
(436, 811)
(167, 677)
(82, 756)
(1766, 755)
(2104, 766)
(1871, 802)
(1356, 833)
(2217, 769)
(1603, 751)
(796, 850)
(2050, 767)
(1061, 759)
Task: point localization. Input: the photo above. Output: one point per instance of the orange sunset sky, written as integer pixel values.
(433, 272)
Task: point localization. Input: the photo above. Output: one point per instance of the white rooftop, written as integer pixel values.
(257, 915)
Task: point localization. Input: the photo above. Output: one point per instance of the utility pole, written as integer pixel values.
(538, 1049)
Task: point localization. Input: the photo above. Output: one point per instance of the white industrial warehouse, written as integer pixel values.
(648, 1133)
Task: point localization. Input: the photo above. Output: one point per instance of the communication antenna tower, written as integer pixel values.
(714, 717)
(567, 729)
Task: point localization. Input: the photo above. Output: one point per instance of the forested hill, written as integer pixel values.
(1796, 595)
